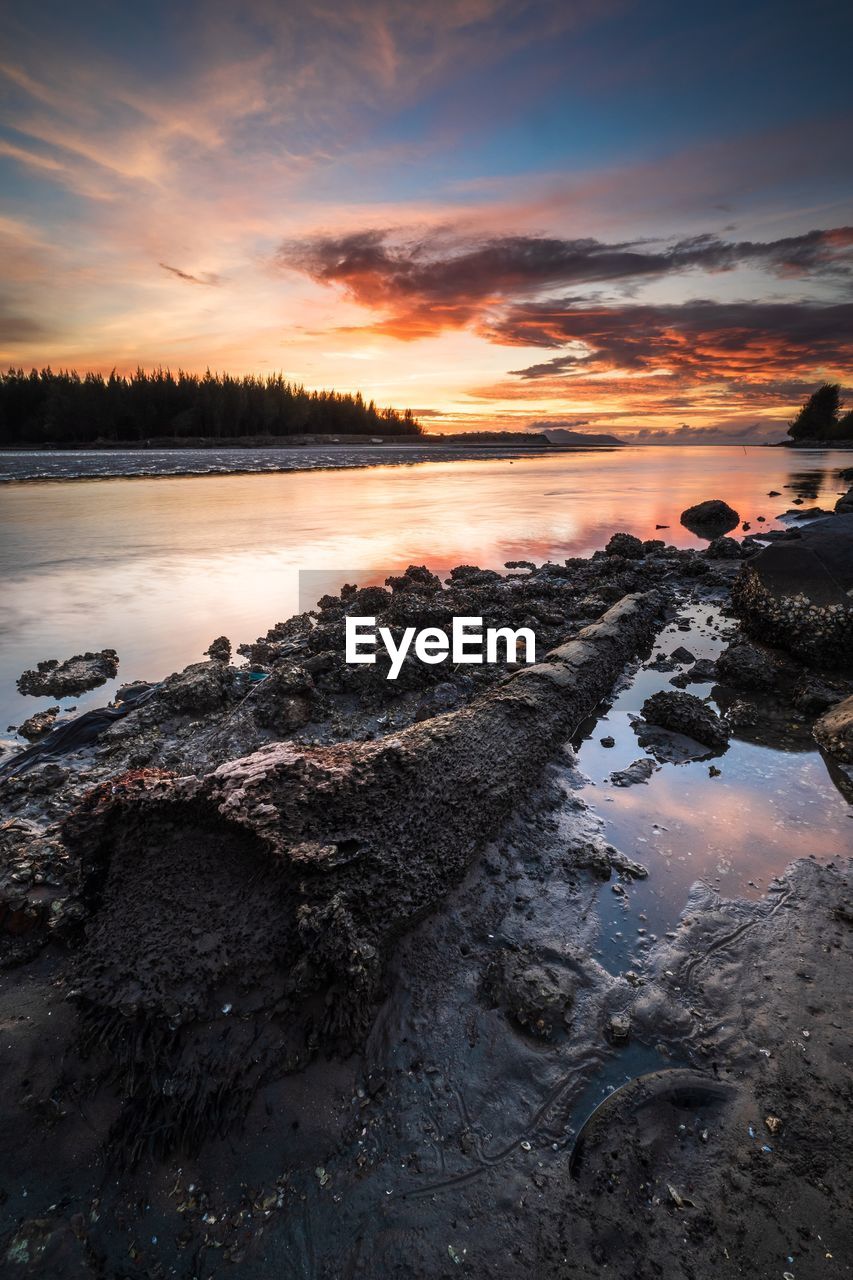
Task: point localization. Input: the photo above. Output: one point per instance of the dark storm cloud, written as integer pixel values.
(739, 340)
(439, 282)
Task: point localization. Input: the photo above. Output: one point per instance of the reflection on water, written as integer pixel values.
(155, 568)
(736, 831)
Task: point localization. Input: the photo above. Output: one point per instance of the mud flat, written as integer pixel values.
(90, 464)
(306, 971)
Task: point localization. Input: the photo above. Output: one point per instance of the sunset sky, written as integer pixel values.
(632, 217)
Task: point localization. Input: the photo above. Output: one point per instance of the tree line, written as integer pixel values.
(821, 418)
(67, 408)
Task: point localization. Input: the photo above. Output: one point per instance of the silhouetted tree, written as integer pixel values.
(818, 418)
(844, 430)
(46, 408)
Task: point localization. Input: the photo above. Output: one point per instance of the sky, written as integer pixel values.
(612, 216)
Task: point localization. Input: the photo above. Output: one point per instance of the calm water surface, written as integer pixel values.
(155, 568)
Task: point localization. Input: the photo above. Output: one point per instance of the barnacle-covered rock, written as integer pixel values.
(834, 731)
(798, 594)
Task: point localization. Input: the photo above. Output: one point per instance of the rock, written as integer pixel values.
(834, 731)
(666, 745)
(625, 544)
(286, 699)
(619, 1028)
(683, 655)
(316, 663)
(538, 998)
(220, 649)
(745, 664)
(202, 687)
(703, 670)
(440, 698)
(466, 574)
(626, 866)
(795, 594)
(723, 548)
(660, 662)
(814, 696)
(55, 679)
(608, 741)
(711, 518)
(593, 857)
(686, 714)
(639, 771)
(602, 859)
(774, 493)
(39, 724)
(844, 505)
(519, 564)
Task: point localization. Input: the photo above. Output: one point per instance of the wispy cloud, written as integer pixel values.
(308, 174)
(207, 277)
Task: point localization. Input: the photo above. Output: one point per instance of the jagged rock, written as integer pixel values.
(813, 696)
(54, 679)
(724, 548)
(809, 513)
(201, 687)
(638, 771)
(834, 731)
(626, 866)
(593, 857)
(746, 664)
(419, 578)
(703, 670)
(286, 700)
(470, 575)
(686, 714)
(710, 519)
(39, 724)
(682, 655)
(220, 649)
(796, 594)
(625, 544)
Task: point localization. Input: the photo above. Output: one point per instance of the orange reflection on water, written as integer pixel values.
(155, 568)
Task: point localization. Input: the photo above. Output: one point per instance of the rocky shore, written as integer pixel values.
(301, 976)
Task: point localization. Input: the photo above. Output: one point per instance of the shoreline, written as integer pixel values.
(18, 466)
(409, 1006)
(312, 458)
